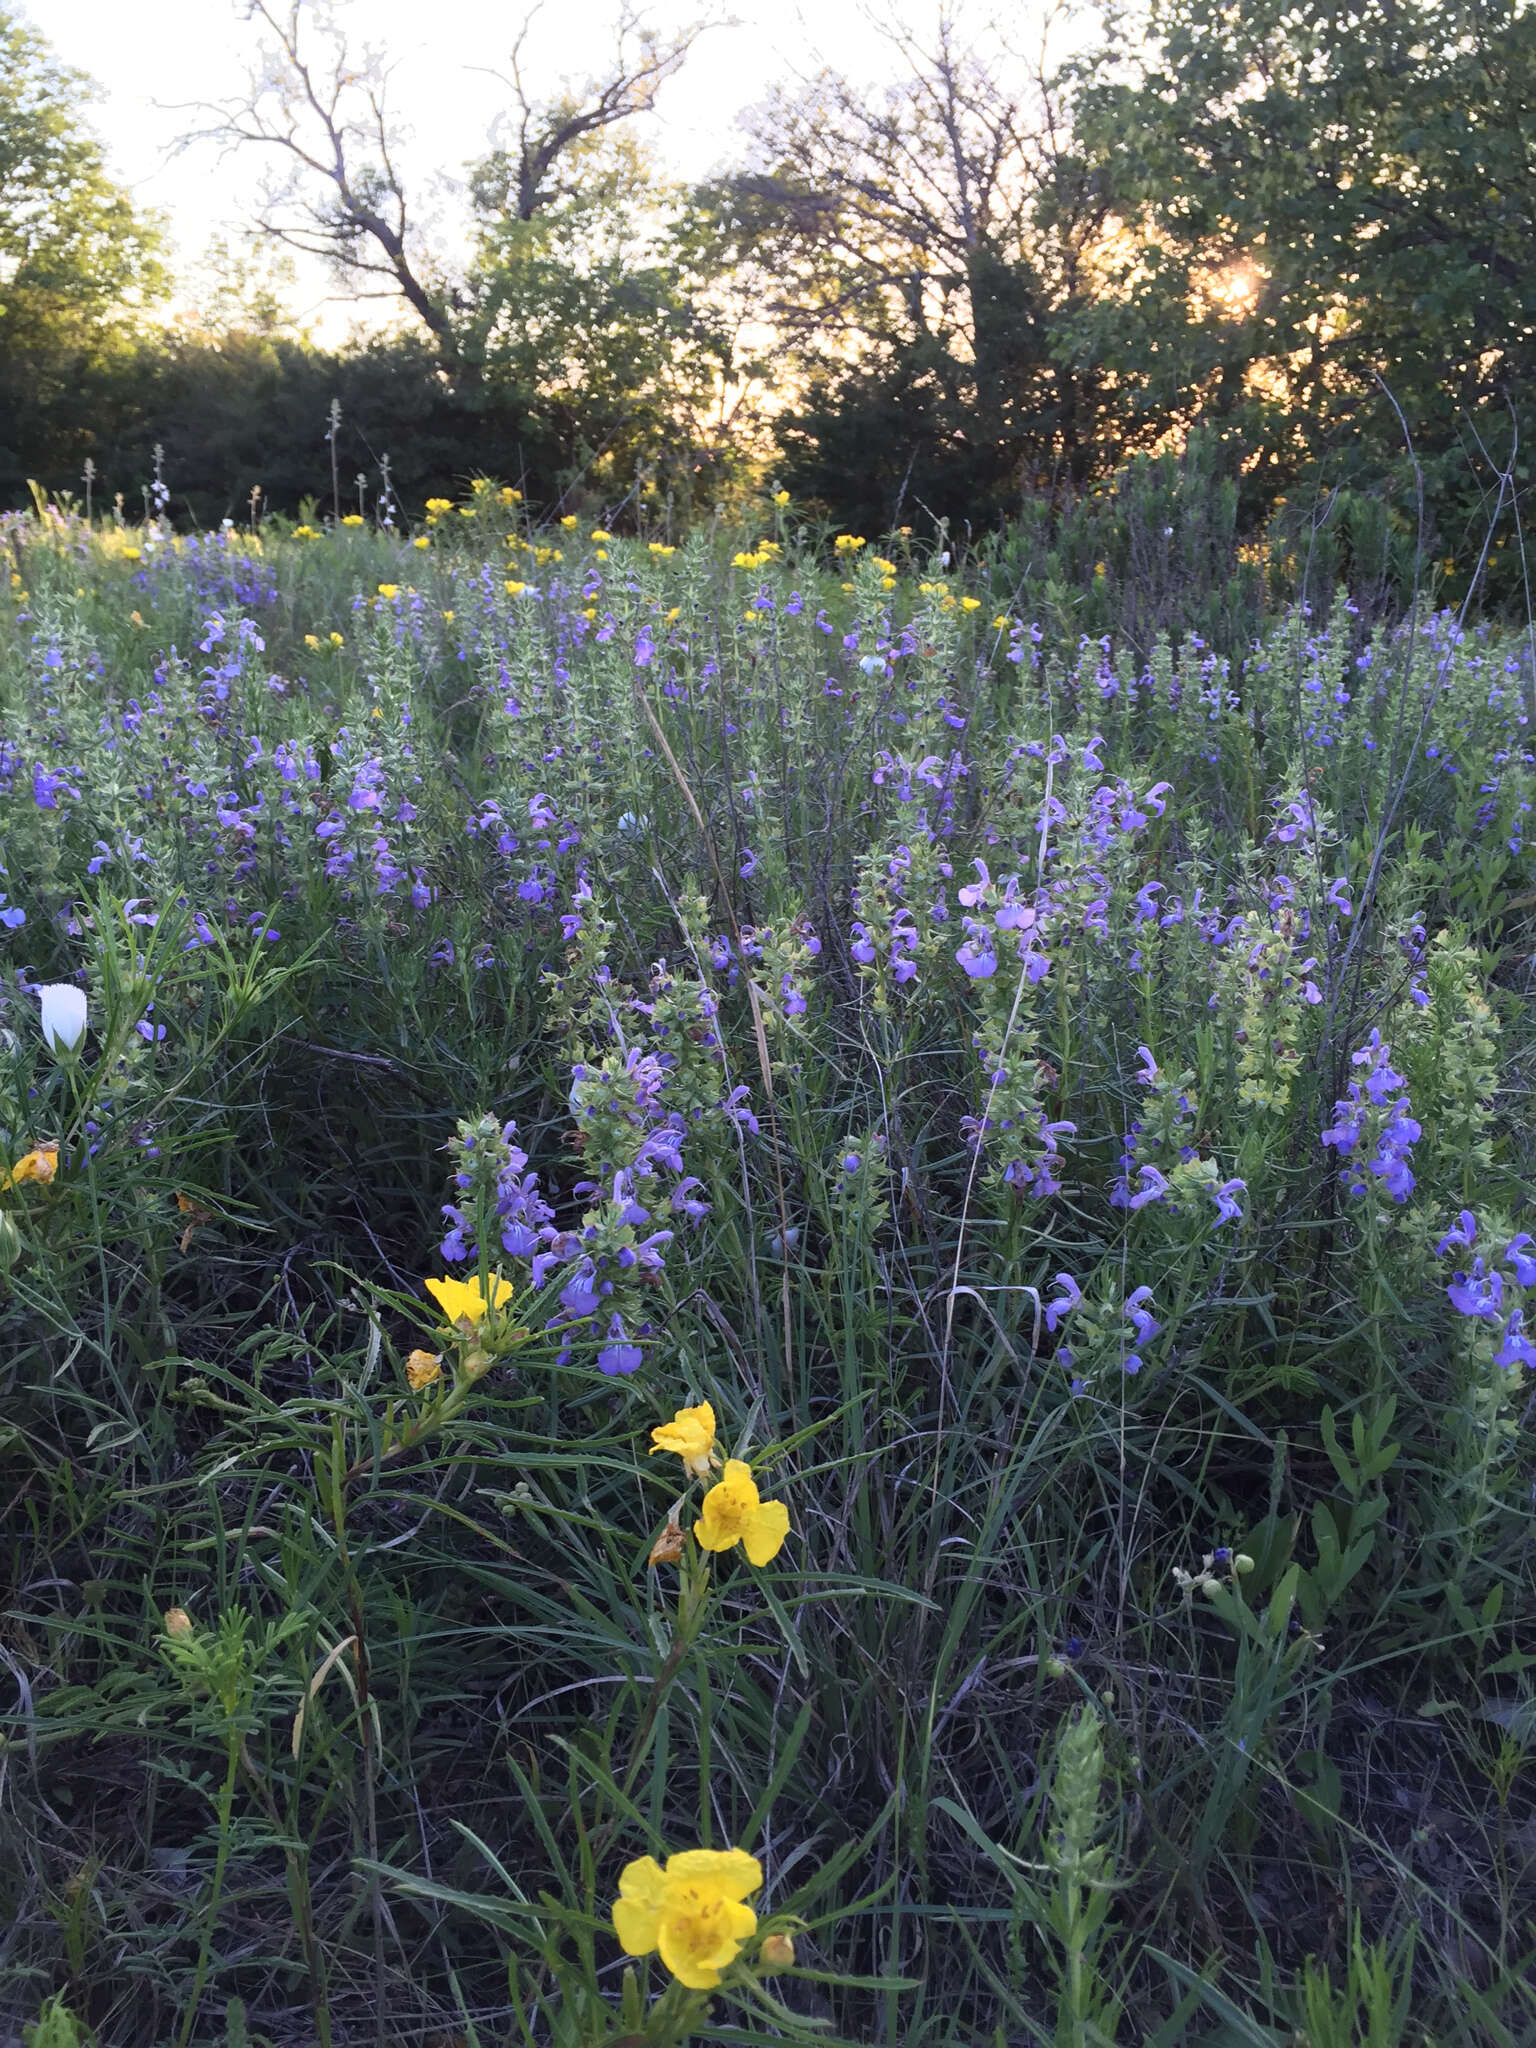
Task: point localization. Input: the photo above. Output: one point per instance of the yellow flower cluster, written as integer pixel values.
(733, 1511)
(848, 543)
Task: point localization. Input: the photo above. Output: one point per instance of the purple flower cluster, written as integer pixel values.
(1478, 1292)
(1375, 1120)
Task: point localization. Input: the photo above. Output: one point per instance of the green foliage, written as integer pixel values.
(1147, 1659)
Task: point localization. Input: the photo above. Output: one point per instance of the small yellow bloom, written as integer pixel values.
(337, 641)
(438, 505)
(569, 519)
(970, 604)
(848, 543)
(674, 615)
(734, 1513)
(600, 533)
(692, 1912)
(781, 497)
(590, 612)
(515, 589)
(691, 1434)
(887, 582)
(389, 590)
(134, 619)
(508, 496)
(41, 1166)
(602, 555)
(422, 1368)
(177, 1621)
(131, 554)
(422, 540)
(311, 639)
(448, 618)
(1001, 623)
(466, 511)
(461, 1300)
(305, 533)
(352, 519)
(659, 547)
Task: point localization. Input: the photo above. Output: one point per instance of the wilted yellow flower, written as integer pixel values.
(734, 1513)
(462, 1301)
(691, 1435)
(311, 639)
(669, 1545)
(692, 1912)
(134, 619)
(41, 1166)
(177, 1621)
(423, 1367)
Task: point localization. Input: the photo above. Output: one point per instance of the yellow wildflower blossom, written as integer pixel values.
(691, 1435)
(461, 1300)
(40, 1165)
(601, 533)
(693, 1912)
(734, 1513)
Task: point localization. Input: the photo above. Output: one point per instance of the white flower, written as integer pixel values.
(63, 1015)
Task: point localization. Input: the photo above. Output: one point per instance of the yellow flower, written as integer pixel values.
(508, 496)
(674, 615)
(130, 554)
(461, 1300)
(691, 1434)
(733, 1513)
(305, 533)
(41, 1165)
(781, 497)
(422, 540)
(515, 589)
(970, 604)
(389, 590)
(599, 533)
(1000, 623)
(337, 641)
(311, 639)
(692, 1912)
(436, 505)
(659, 547)
(602, 554)
(422, 1368)
(352, 519)
(569, 519)
(886, 568)
(448, 618)
(134, 619)
(848, 543)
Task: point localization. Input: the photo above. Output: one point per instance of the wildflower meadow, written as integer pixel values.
(761, 1285)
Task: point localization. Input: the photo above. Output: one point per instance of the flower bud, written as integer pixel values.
(63, 1015)
(1242, 1564)
(778, 1952)
(10, 1241)
(177, 1621)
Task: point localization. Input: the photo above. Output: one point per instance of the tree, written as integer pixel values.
(922, 245)
(78, 262)
(1319, 202)
(320, 111)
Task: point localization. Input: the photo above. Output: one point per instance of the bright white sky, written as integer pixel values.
(146, 58)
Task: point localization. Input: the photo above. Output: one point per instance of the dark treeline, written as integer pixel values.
(982, 291)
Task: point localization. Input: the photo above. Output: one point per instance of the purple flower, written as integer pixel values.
(1477, 1293)
(1141, 1319)
(1515, 1255)
(1228, 1208)
(1517, 1348)
(1462, 1232)
(618, 1355)
(1063, 1303)
(976, 954)
(1154, 1188)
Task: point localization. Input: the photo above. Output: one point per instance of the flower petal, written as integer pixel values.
(766, 1528)
(735, 1872)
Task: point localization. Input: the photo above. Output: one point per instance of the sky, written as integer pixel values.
(149, 60)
